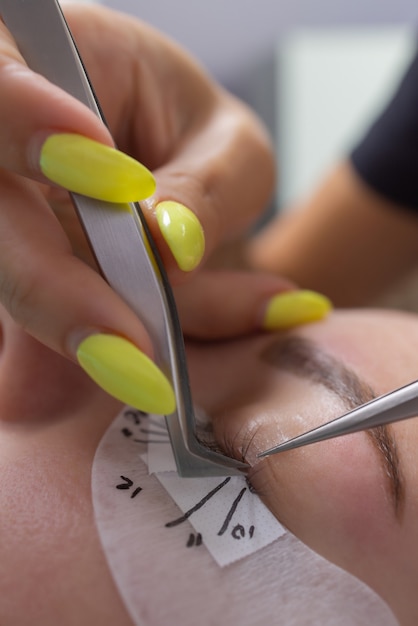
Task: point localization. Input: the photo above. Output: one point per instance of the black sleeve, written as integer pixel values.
(387, 157)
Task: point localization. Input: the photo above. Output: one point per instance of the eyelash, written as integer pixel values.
(260, 491)
(239, 452)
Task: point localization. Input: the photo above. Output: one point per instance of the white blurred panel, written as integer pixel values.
(331, 83)
(231, 36)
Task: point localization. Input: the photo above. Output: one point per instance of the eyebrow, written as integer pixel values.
(304, 358)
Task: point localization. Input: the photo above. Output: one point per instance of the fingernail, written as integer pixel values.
(126, 373)
(294, 308)
(183, 233)
(87, 167)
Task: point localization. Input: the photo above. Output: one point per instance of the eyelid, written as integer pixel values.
(306, 359)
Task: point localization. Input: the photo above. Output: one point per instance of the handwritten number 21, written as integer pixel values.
(127, 484)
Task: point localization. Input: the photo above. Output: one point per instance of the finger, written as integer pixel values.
(221, 304)
(67, 306)
(223, 174)
(31, 106)
(211, 156)
(36, 383)
(56, 138)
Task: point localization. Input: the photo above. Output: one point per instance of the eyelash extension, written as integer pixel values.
(230, 450)
(205, 435)
(247, 441)
(204, 431)
(210, 444)
(238, 447)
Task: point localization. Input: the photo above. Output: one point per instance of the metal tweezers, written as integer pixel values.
(395, 406)
(120, 239)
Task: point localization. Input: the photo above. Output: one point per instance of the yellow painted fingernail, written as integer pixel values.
(183, 233)
(87, 167)
(126, 373)
(294, 308)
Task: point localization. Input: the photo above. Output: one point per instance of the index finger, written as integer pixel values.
(31, 108)
(67, 157)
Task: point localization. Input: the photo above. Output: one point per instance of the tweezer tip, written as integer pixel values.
(261, 455)
(281, 446)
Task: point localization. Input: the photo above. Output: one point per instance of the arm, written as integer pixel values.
(345, 241)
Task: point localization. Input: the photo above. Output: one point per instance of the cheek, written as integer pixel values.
(332, 496)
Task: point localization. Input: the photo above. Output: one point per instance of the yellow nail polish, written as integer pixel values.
(126, 373)
(183, 233)
(294, 308)
(87, 167)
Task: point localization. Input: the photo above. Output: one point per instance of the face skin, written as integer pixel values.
(353, 499)
(335, 496)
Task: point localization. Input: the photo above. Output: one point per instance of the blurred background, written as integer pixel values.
(231, 36)
(316, 71)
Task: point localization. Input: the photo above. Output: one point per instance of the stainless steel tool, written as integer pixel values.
(397, 405)
(120, 239)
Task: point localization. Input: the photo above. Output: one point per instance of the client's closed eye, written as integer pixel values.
(306, 359)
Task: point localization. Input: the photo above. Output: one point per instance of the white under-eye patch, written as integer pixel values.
(225, 512)
(165, 538)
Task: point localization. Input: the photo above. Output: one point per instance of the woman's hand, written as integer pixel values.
(210, 158)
